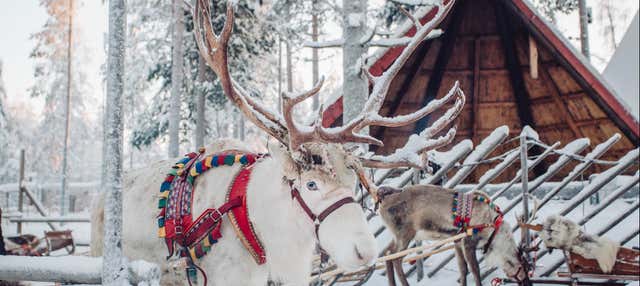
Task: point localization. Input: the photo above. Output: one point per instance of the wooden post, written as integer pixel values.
(420, 261)
(584, 27)
(3, 250)
(21, 188)
(525, 184)
(533, 57)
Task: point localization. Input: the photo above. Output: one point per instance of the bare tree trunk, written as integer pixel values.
(584, 27)
(114, 270)
(176, 79)
(289, 67)
(67, 113)
(279, 74)
(289, 63)
(200, 105)
(355, 88)
(607, 8)
(315, 71)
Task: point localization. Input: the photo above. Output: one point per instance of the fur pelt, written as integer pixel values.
(559, 232)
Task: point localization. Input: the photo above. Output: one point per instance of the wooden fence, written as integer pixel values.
(463, 159)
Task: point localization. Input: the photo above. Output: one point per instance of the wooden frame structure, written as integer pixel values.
(516, 70)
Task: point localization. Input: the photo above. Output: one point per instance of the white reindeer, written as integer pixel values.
(311, 158)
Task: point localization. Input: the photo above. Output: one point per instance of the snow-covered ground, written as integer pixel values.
(449, 274)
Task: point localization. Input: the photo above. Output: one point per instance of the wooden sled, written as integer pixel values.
(626, 268)
(585, 271)
(30, 245)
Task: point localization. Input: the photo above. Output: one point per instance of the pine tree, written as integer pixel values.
(50, 73)
(253, 40)
(4, 127)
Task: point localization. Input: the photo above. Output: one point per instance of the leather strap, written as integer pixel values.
(207, 221)
(295, 194)
(534, 227)
(333, 207)
(496, 227)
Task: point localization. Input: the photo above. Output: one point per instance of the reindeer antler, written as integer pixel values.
(411, 154)
(213, 49)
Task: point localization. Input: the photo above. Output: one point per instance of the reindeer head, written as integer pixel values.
(314, 158)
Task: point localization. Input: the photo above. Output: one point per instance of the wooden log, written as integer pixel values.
(69, 269)
(49, 219)
(380, 262)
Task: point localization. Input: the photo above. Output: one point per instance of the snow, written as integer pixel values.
(71, 269)
(417, 2)
(495, 171)
(402, 41)
(603, 178)
(113, 270)
(355, 19)
(449, 274)
(530, 133)
(622, 72)
(464, 147)
(76, 269)
(482, 150)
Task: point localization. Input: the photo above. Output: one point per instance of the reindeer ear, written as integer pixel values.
(282, 154)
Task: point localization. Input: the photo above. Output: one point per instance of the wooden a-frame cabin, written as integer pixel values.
(515, 70)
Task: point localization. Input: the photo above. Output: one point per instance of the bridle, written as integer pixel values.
(318, 219)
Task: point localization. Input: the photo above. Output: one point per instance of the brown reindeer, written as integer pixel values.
(426, 212)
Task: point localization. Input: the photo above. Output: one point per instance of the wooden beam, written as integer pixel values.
(444, 54)
(516, 77)
(560, 104)
(476, 91)
(533, 57)
(513, 65)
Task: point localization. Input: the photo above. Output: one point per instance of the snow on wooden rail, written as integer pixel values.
(464, 158)
(70, 269)
(49, 219)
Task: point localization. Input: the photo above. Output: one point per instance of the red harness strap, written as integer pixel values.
(239, 216)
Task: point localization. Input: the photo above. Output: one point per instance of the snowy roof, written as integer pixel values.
(586, 95)
(622, 71)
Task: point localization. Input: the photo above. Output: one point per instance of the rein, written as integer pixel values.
(318, 219)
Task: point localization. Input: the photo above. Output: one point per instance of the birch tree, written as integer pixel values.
(114, 270)
(176, 78)
(355, 88)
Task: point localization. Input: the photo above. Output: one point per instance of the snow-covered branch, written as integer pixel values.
(386, 42)
(394, 42)
(416, 2)
(338, 43)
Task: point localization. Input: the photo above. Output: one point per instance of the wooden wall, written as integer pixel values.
(475, 50)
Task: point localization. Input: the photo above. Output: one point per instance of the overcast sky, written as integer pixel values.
(21, 18)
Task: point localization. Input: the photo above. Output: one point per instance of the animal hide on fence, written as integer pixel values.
(559, 232)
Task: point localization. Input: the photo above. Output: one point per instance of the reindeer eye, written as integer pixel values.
(312, 186)
(316, 160)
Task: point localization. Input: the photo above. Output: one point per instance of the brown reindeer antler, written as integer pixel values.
(213, 49)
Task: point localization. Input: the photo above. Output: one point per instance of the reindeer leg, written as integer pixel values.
(397, 263)
(389, 265)
(462, 264)
(472, 260)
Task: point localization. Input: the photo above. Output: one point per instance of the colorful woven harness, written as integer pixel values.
(463, 209)
(195, 238)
